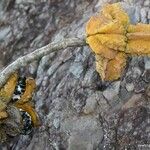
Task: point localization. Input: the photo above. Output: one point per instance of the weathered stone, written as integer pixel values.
(137, 14)
(112, 91)
(53, 68)
(78, 141)
(85, 132)
(25, 1)
(76, 69)
(146, 76)
(56, 123)
(4, 32)
(147, 3)
(103, 105)
(136, 72)
(148, 15)
(90, 104)
(148, 91)
(143, 15)
(124, 94)
(130, 87)
(147, 63)
(140, 85)
(131, 121)
(132, 102)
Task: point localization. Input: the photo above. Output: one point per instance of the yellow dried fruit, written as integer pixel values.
(112, 38)
(17, 93)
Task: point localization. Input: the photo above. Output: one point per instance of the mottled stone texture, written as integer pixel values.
(76, 110)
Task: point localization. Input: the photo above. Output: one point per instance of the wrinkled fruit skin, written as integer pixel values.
(112, 38)
(17, 113)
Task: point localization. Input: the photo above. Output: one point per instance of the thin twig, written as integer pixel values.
(26, 59)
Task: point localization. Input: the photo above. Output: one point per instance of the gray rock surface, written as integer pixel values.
(76, 111)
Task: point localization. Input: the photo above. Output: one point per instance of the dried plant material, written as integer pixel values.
(7, 91)
(111, 69)
(100, 49)
(2, 109)
(138, 39)
(111, 20)
(28, 108)
(11, 126)
(30, 88)
(112, 39)
(15, 104)
(116, 66)
(139, 28)
(101, 65)
(3, 114)
(134, 47)
(25, 103)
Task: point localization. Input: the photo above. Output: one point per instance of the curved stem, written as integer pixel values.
(38, 53)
